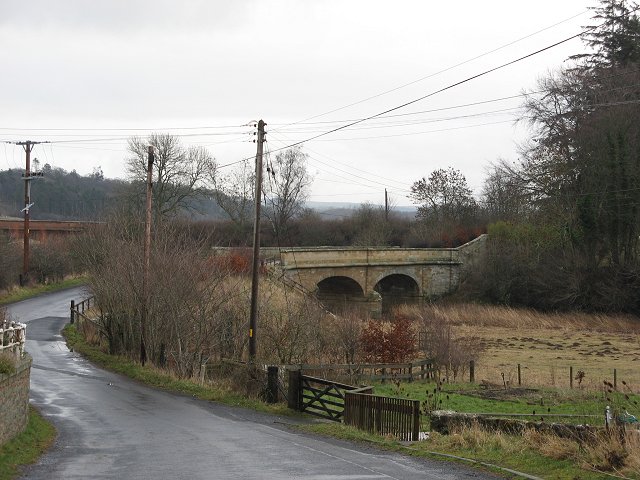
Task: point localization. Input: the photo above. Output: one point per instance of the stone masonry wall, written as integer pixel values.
(14, 400)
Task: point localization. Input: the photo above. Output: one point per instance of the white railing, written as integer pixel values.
(12, 337)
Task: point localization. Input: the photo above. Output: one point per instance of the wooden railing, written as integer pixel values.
(399, 417)
(13, 336)
(80, 308)
(90, 327)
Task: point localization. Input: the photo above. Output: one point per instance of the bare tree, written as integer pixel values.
(288, 182)
(503, 195)
(180, 172)
(234, 192)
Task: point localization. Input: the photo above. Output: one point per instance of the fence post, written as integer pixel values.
(615, 379)
(571, 377)
(472, 371)
(203, 373)
(294, 392)
(73, 306)
(272, 384)
(519, 376)
(415, 434)
(410, 372)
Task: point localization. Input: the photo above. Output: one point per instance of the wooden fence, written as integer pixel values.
(399, 417)
(80, 308)
(370, 372)
(90, 329)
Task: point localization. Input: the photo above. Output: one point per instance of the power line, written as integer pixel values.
(443, 89)
(80, 129)
(441, 71)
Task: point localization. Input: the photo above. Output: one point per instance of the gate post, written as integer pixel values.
(272, 384)
(415, 428)
(295, 390)
(73, 306)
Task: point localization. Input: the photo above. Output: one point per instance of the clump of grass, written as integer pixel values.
(7, 364)
(552, 446)
(476, 438)
(616, 450)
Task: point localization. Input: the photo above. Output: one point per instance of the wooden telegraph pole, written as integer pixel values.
(28, 176)
(147, 257)
(253, 318)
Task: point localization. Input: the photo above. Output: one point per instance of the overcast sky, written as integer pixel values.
(79, 71)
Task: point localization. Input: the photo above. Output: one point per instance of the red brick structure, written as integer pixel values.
(42, 230)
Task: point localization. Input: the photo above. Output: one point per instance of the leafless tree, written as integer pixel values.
(180, 172)
(287, 184)
(234, 191)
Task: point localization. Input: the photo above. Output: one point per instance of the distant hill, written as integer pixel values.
(62, 195)
(58, 194)
(346, 209)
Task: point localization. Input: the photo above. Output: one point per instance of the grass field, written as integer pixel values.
(547, 345)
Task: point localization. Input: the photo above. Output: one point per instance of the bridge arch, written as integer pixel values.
(337, 291)
(397, 288)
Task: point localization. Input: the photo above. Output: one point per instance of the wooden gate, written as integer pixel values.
(319, 397)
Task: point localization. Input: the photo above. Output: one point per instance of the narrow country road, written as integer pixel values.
(111, 427)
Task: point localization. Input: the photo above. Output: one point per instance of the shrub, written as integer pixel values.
(50, 261)
(388, 341)
(10, 256)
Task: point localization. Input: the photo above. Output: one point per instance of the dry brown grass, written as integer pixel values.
(552, 446)
(545, 345)
(476, 438)
(461, 314)
(613, 451)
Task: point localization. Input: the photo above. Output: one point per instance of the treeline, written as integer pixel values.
(570, 205)
(58, 194)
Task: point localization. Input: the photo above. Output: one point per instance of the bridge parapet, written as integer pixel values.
(326, 257)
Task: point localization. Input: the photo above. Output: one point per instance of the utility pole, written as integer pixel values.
(255, 271)
(147, 257)
(28, 146)
(386, 205)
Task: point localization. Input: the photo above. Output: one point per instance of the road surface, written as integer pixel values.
(110, 427)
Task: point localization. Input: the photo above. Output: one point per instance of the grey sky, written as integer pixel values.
(158, 65)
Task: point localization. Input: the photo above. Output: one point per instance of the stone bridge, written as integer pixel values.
(378, 277)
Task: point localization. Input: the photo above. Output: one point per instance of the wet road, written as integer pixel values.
(111, 427)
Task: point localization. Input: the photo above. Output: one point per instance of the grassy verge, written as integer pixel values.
(154, 377)
(18, 294)
(504, 451)
(27, 447)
